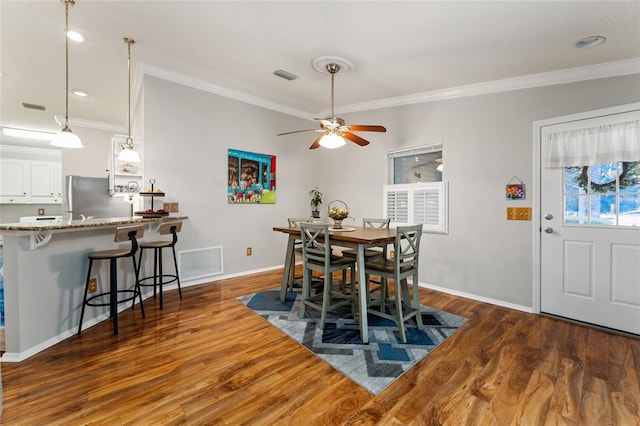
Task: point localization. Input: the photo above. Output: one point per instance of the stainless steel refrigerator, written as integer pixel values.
(89, 196)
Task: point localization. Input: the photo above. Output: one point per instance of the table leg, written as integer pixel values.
(362, 295)
(287, 268)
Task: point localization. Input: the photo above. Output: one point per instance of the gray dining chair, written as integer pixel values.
(404, 265)
(317, 256)
(296, 280)
(372, 252)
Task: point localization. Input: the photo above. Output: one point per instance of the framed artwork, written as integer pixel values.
(251, 178)
(514, 191)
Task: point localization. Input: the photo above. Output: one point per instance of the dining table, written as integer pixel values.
(356, 237)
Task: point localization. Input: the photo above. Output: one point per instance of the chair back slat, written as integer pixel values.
(130, 233)
(316, 245)
(294, 222)
(369, 222)
(170, 227)
(408, 246)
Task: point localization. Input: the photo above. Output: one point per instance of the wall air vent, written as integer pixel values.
(34, 106)
(286, 75)
(199, 263)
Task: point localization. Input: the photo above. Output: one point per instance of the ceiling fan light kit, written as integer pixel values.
(334, 131)
(65, 137)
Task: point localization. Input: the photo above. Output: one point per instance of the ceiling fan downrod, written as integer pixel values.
(332, 69)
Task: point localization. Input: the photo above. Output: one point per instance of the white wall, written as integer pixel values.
(487, 140)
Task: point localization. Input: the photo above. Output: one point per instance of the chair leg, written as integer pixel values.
(160, 276)
(175, 263)
(399, 312)
(326, 298)
(137, 289)
(113, 294)
(416, 303)
(84, 300)
(306, 290)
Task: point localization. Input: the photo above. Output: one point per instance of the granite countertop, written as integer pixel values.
(87, 223)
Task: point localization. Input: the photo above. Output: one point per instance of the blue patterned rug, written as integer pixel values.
(374, 366)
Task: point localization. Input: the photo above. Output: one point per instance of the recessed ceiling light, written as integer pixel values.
(75, 36)
(590, 42)
(79, 92)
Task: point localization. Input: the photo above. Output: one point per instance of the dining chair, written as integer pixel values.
(404, 264)
(371, 252)
(294, 222)
(317, 256)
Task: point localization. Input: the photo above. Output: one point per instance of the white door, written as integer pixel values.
(590, 237)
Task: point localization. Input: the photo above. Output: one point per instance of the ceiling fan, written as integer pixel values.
(334, 130)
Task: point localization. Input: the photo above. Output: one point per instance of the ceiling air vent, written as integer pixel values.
(286, 75)
(34, 106)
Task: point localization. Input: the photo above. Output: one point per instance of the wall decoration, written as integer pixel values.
(251, 178)
(515, 191)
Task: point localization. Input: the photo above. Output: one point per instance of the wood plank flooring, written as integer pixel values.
(208, 360)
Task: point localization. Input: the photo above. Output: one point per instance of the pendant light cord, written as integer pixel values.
(66, 56)
(129, 42)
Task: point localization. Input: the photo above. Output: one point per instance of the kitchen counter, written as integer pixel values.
(44, 272)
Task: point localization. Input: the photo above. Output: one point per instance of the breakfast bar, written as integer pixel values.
(45, 265)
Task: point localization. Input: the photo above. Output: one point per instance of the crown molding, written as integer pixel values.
(564, 76)
(89, 124)
(568, 75)
(206, 86)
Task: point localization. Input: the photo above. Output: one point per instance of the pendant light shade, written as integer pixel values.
(65, 137)
(128, 153)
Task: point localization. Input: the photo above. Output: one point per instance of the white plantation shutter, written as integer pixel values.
(410, 204)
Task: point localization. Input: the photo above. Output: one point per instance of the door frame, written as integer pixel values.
(537, 186)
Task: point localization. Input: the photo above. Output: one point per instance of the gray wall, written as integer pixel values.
(487, 140)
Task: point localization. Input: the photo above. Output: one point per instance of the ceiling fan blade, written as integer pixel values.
(316, 143)
(355, 138)
(300, 131)
(366, 128)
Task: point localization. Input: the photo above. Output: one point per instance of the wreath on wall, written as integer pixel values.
(629, 176)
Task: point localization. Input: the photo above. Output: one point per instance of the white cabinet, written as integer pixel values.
(15, 186)
(30, 175)
(46, 182)
(124, 177)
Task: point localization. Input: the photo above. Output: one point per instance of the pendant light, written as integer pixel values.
(128, 153)
(65, 138)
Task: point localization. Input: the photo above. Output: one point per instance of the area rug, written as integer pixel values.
(373, 366)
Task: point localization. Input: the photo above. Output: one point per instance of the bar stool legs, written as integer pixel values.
(159, 276)
(122, 234)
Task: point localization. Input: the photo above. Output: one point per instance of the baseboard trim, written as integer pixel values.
(475, 297)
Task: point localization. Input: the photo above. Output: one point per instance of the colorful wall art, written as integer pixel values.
(251, 178)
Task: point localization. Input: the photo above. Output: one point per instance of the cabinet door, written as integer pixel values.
(45, 184)
(15, 186)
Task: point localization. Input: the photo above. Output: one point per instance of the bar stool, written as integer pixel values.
(158, 274)
(123, 233)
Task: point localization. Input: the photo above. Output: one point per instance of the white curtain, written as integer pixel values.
(602, 144)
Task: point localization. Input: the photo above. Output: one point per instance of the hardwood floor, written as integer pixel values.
(208, 360)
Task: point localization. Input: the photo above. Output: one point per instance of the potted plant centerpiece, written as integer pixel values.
(316, 200)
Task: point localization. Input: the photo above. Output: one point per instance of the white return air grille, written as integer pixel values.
(200, 263)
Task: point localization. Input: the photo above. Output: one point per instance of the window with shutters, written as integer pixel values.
(410, 204)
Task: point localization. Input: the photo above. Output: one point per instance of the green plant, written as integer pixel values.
(316, 198)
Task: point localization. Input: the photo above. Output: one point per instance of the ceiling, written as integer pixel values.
(399, 50)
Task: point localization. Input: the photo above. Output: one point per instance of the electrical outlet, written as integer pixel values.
(40, 212)
(392, 254)
(249, 251)
(166, 207)
(93, 285)
(174, 208)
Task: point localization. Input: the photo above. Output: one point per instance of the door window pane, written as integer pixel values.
(612, 194)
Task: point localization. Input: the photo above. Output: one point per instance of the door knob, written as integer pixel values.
(548, 216)
(548, 230)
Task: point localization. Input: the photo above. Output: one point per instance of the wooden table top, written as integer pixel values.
(359, 235)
